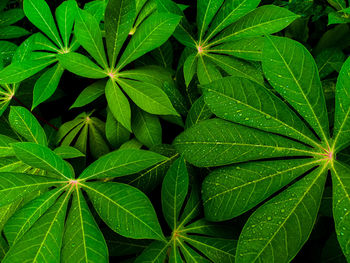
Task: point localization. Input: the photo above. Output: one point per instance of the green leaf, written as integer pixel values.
(230, 191)
(89, 94)
(80, 65)
(147, 128)
(82, 240)
(265, 20)
(116, 133)
(41, 157)
(174, 191)
(119, 104)
(342, 109)
(42, 243)
(249, 48)
(125, 209)
(190, 68)
(230, 12)
(217, 142)
(148, 97)
(68, 152)
(154, 253)
(199, 111)
(152, 33)
(216, 249)
(237, 67)
(39, 13)
(206, 10)
(119, 19)
(24, 218)
(18, 71)
(46, 85)
(121, 163)
(65, 16)
(88, 33)
(11, 16)
(207, 70)
(13, 186)
(243, 101)
(5, 146)
(98, 145)
(183, 31)
(278, 229)
(25, 124)
(9, 32)
(191, 255)
(341, 205)
(329, 60)
(293, 73)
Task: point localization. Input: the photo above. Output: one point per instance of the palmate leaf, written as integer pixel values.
(88, 34)
(341, 205)
(118, 104)
(47, 84)
(81, 66)
(89, 94)
(24, 218)
(152, 33)
(267, 19)
(206, 10)
(42, 243)
(125, 209)
(147, 128)
(230, 191)
(116, 133)
(174, 191)
(13, 186)
(119, 18)
(243, 101)
(39, 13)
(120, 163)
(217, 142)
(342, 109)
(148, 97)
(154, 253)
(82, 240)
(41, 157)
(279, 228)
(199, 111)
(293, 73)
(65, 16)
(230, 12)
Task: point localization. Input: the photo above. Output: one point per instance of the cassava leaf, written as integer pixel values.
(275, 236)
(118, 104)
(65, 16)
(152, 33)
(88, 34)
(89, 94)
(25, 124)
(82, 240)
(293, 73)
(174, 191)
(119, 19)
(81, 66)
(24, 218)
(341, 205)
(42, 243)
(125, 209)
(39, 13)
(121, 163)
(16, 185)
(217, 142)
(342, 109)
(41, 157)
(265, 20)
(229, 98)
(230, 191)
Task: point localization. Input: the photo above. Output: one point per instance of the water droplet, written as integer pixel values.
(269, 218)
(267, 117)
(247, 119)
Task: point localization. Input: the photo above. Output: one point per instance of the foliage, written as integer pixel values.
(133, 131)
